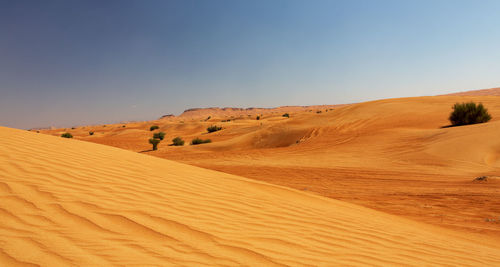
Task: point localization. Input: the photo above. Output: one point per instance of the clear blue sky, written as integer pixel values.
(70, 62)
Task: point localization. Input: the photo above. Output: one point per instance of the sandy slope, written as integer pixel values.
(391, 155)
(67, 202)
(203, 113)
(490, 92)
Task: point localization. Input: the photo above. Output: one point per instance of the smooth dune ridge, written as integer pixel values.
(68, 202)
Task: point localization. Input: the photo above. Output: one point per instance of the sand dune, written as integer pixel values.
(480, 92)
(67, 202)
(392, 155)
(215, 112)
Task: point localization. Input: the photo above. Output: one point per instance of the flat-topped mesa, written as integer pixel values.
(167, 116)
(251, 111)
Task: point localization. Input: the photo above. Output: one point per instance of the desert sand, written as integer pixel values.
(375, 183)
(231, 113)
(392, 155)
(68, 202)
(490, 92)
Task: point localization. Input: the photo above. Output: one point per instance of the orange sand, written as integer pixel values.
(391, 155)
(67, 202)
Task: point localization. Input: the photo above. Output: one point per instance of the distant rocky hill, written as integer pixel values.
(195, 113)
(167, 116)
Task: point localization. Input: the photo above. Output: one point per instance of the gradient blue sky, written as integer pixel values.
(68, 62)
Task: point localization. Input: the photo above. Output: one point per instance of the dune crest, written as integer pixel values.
(67, 202)
(479, 92)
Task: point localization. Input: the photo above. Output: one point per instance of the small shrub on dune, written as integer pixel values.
(198, 141)
(159, 135)
(469, 113)
(154, 127)
(67, 135)
(155, 143)
(257, 118)
(286, 115)
(214, 128)
(91, 133)
(177, 141)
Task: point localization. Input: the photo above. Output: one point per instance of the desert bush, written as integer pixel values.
(72, 128)
(159, 135)
(319, 111)
(469, 113)
(155, 143)
(67, 135)
(257, 118)
(214, 128)
(198, 141)
(286, 115)
(154, 127)
(178, 141)
(91, 133)
(481, 179)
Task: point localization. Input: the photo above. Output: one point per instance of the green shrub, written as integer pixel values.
(91, 133)
(154, 127)
(178, 141)
(198, 141)
(286, 115)
(67, 135)
(469, 113)
(155, 143)
(214, 128)
(159, 135)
